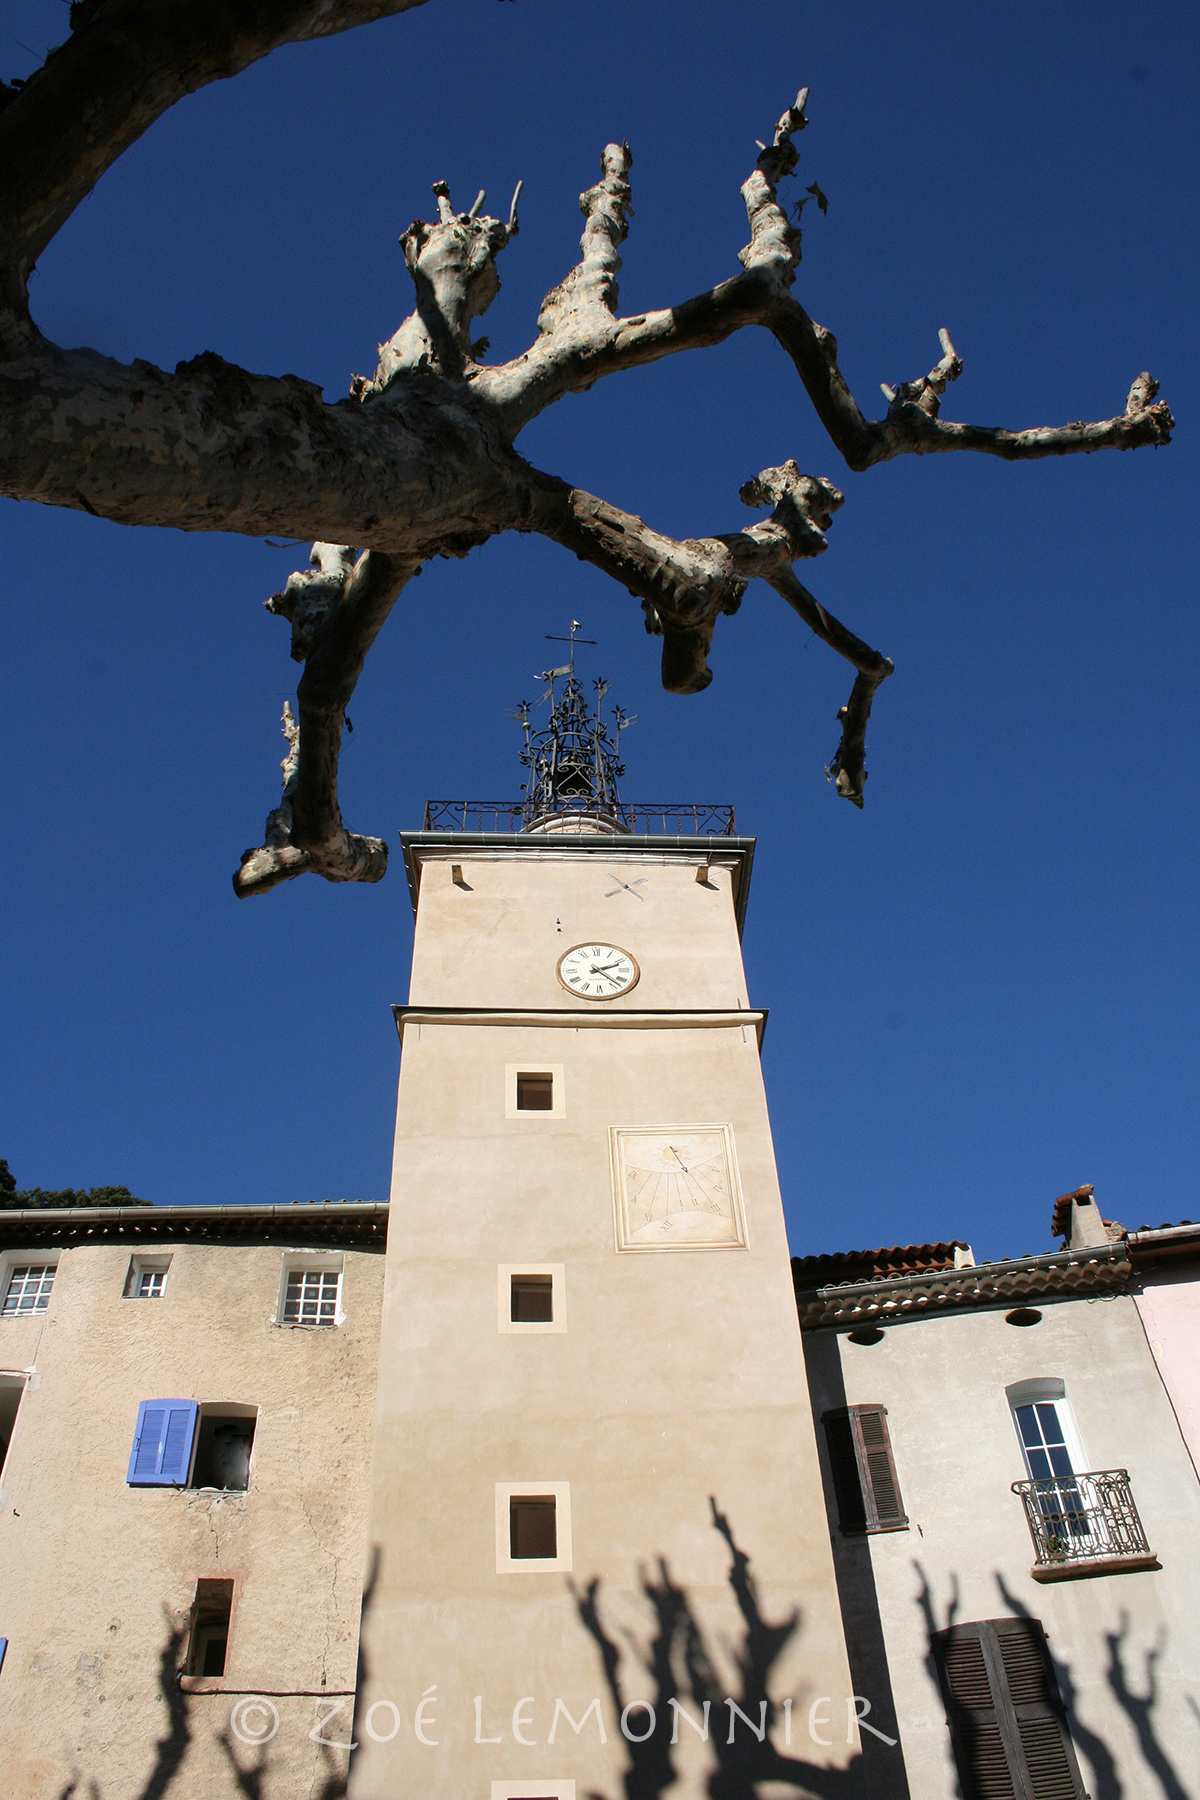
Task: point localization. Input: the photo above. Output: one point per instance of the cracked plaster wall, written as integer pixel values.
(95, 1576)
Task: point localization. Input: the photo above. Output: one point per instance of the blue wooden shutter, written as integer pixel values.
(162, 1443)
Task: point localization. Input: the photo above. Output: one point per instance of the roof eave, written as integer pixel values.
(1090, 1268)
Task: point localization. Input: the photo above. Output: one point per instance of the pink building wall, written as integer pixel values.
(1169, 1305)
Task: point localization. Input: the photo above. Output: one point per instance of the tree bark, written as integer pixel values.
(420, 460)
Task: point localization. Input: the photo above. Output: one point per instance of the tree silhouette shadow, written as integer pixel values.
(679, 1663)
(1106, 1781)
(170, 1750)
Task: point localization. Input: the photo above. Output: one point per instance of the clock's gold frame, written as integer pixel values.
(597, 999)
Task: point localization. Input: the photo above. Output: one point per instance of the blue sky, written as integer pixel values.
(983, 987)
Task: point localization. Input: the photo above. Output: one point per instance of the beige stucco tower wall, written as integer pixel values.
(664, 1408)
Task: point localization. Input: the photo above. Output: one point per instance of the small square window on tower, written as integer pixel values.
(533, 1527)
(531, 1532)
(534, 1090)
(531, 1297)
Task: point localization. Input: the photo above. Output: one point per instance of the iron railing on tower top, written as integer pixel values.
(657, 820)
(1081, 1520)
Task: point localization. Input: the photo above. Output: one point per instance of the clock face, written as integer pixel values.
(677, 1188)
(597, 971)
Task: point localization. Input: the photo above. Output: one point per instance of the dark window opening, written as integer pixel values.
(532, 1299)
(535, 1093)
(10, 1399)
(532, 1531)
(208, 1641)
(223, 1446)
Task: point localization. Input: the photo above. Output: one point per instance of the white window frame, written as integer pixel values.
(558, 1299)
(558, 1092)
(146, 1265)
(13, 1260)
(1053, 1388)
(560, 1491)
(298, 1262)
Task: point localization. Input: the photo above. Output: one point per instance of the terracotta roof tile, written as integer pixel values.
(873, 1265)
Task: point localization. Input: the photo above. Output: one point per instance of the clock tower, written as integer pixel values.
(601, 1563)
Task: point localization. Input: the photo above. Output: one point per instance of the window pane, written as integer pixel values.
(311, 1297)
(29, 1289)
(532, 1299)
(1030, 1435)
(535, 1093)
(532, 1530)
(1048, 1420)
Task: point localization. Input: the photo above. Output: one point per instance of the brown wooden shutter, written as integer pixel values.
(864, 1470)
(1005, 1714)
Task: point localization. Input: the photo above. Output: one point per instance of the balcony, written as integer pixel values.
(666, 819)
(1084, 1525)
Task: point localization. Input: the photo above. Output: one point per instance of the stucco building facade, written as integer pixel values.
(553, 1478)
(129, 1333)
(1037, 1373)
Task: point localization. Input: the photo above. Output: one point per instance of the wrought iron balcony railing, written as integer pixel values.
(667, 819)
(1084, 1525)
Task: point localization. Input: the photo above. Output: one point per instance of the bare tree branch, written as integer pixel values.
(575, 351)
(337, 609)
(213, 448)
(419, 460)
(686, 585)
(125, 64)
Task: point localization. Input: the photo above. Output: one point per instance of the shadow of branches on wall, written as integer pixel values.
(1139, 1708)
(679, 1662)
(169, 1751)
(1106, 1781)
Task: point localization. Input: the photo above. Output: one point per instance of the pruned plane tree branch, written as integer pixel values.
(420, 459)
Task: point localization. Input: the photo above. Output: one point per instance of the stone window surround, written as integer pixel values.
(505, 1323)
(534, 1790)
(560, 1491)
(559, 1092)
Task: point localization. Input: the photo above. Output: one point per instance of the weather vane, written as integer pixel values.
(573, 762)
